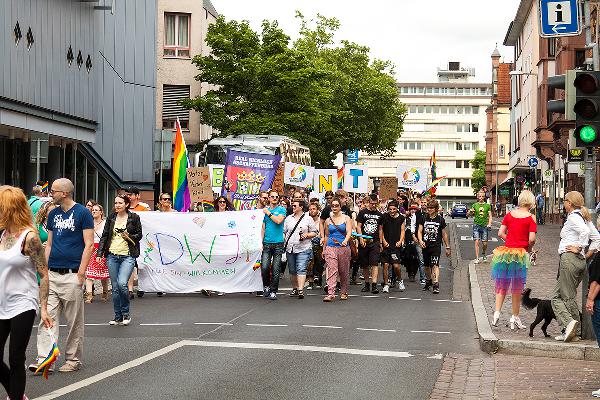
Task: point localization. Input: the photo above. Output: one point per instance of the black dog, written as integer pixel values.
(544, 311)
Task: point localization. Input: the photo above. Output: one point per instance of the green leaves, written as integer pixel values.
(478, 165)
(330, 98)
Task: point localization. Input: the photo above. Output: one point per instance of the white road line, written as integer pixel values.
(376, 330)
(438, 332)
(449, 301)
(322, 326)
(319, 349)
(113, 371)
(470, 238)
(404, 298)
(213, 323)
(104, 324)
(267, 325)
(370, 296)
(162, 324)
(438, 356)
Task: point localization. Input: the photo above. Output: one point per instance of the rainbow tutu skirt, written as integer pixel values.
(509, 269)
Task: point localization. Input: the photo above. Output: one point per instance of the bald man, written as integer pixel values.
(68, 250)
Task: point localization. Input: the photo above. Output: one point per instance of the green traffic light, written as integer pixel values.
(587, 134)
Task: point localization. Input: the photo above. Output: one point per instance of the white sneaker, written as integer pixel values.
(401, 286)
(476, 261)
(571, 330)
(126, 320)
(596, 393)
(386, 288)
(560, 338)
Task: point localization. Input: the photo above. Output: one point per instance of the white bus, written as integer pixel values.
(290, 149)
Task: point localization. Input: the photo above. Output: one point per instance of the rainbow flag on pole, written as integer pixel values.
(50, 359)
(181, 162)
(432, 164)
(340, 178)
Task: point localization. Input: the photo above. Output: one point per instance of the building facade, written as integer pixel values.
(447, 116)
(497, 136)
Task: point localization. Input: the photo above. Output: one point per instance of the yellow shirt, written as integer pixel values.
(118, 245)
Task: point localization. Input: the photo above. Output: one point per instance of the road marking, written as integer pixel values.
(162, 324)
(268, 325)
(370, 296)
(289, 347)
(104, 324)
(438, 356)
(470, 238)
(403, 298)
(323, 326)
(463, 225)
(449, 301)
(376, 330)
(213, 323)
(438, 332)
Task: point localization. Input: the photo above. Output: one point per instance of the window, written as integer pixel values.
(458, 182)
(429, 90)
(474, 127)
(18, 34)
(459, 146)
(172, 95)
(466, 182)
(579, 59)
(177, 35)
(449, 182)
(502, 151)
(458, 163)
(465, 163)
(551, 47)
(474, 146)
(475, 110)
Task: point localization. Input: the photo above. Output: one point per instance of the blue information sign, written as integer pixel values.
(352, 156)
(559, 18)
(533, 162)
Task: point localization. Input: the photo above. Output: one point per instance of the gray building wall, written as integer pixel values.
(127, 68)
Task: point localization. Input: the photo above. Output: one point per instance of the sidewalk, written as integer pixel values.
(541, 278)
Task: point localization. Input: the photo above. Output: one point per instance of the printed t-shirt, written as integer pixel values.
(273, 231)
(482, 213)
(370, 221)
(518, 231)
(432, 231)
(392, 228)
(118, 245)
(67, 235)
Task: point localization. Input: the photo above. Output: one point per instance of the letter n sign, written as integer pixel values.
(356, 178)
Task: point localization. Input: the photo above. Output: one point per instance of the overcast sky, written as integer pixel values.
(416, 35)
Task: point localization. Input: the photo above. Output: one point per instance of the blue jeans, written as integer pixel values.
(120, 269)
(270, 276)
(419, 250)
(596, 320)
(297, 262)
(480, 233)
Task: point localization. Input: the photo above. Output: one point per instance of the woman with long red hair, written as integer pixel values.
(21, 254)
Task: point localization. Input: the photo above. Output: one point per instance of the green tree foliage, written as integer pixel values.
(330, 98)
(478, 165)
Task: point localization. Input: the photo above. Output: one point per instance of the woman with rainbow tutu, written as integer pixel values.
(510, 262)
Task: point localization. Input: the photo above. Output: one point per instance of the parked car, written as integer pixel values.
(459, 210)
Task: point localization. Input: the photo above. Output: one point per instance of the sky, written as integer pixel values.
(418, 36)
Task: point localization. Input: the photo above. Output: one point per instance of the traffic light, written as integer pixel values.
(564, 82)
(587, 108)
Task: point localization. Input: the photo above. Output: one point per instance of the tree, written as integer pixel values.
(330, 98)
(478, 165)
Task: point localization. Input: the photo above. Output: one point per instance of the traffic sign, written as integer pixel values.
(352, 157)
(548, 175)
(533, 162)
(559, 18)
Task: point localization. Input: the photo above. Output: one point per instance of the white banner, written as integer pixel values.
(298, 175)
(217, 174)
(356, 178)
(325, 179)
(187, 252)
(411, 177)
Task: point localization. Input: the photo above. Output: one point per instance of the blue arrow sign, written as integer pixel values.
(533, 162)
(559, 18)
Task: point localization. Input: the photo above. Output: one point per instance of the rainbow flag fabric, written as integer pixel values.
(50, 359)
(181, 162)
(45, 187)
(433, 166)
(340, 178)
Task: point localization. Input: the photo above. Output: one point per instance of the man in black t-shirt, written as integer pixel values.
(369, 223)
(431, 234)
(393, 228)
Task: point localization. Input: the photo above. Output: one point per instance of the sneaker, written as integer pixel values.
(485, 259)
(266, 291)
(386, 289)
(70, 367)
(422, 281)
(300, 294)
(366, 288)
(374, 289)
(401, 286)
(126, 320)
(596, 393)
(427, 285)
(293, 293)
(476, 261)
(571, 330)
(272, 296)
(116, 321)
(33, 367)
(310, 286)
(436, 288)
(220, 293)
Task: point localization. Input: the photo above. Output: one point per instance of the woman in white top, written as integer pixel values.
(21, 253)
(298, 229)
(576, 234)
(97, 268)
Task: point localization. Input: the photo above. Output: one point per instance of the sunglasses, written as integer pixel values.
(222, 201)
(335, 205)
(274, 197)
(166, 198)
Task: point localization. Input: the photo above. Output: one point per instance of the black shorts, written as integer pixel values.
(431, 257)
(369, 255)
(391, 255)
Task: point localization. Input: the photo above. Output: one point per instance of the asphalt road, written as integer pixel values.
(464, 233)
(385, 346)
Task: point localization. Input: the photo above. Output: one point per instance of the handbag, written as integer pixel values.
(284, 255)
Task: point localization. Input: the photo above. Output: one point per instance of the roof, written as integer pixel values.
(496, 53)
(516, 26)
(210, 8)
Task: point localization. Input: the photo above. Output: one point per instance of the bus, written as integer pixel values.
(290, 149)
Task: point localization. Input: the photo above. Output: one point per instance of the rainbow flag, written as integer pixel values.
(433, 184)
(432, 164)
(181, 162)
(340, 178)
(50, 359)
(45, 187)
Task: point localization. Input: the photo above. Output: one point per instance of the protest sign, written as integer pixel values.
(324, 180)
(217, 173)
(410, 177)
(199, 184)
(356, 178)
(298, 175)
(388, 188)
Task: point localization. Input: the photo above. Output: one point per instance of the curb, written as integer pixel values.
(489, 343)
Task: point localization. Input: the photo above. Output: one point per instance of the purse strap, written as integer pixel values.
(292, 232)
(337, 228)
